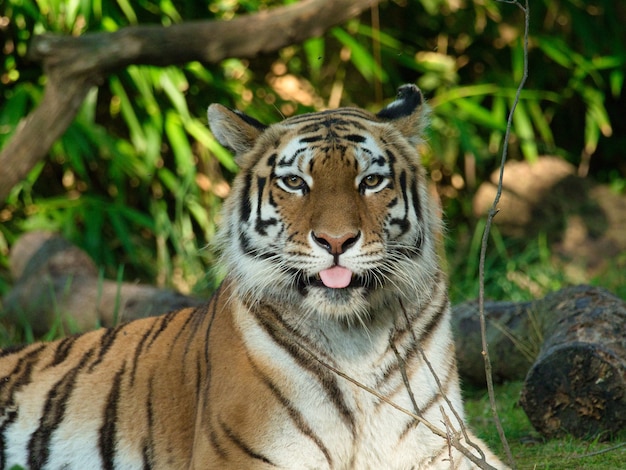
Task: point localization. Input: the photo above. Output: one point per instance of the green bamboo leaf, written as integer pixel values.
(498, 110)
(540, 121)
(592, 132)
(202, 134)
(169, 180)
(200, 72)
(12, 111)
(123, 232)
(457, 93)
(135, 216)
(524, 130)
(71, 12)
(200, 214)
(616, 79)
(608, 62)
(76, 147)
(556, 50)
(478, 114)
(594, 99)
(144, 79)
(314, 51)
(128, 113)
(174, 82)
(128, 11)
(360, 57)
(185, 164)
(385, 39)
(168, 8)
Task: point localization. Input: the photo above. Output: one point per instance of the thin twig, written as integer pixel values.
(453, 439)
(483, 249)
(462, 425)
(405, 377)
(601, 451)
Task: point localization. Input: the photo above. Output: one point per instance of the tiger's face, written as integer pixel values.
(330, 212)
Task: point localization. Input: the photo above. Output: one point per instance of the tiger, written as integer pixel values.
(326, 346)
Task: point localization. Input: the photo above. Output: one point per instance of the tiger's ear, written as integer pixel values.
(408, 113)
(233, 129)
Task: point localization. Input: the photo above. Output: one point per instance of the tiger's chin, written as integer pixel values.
(350, 304)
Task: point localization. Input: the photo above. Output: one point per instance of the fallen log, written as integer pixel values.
(577, 385)
(57, 281)
(571, 348)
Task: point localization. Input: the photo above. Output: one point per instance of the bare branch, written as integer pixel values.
(483, 248)
(75, 64)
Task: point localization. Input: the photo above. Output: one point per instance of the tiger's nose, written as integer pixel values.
(336, 245)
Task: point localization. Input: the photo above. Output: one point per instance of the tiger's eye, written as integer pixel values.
(371, 181)
(293, 182)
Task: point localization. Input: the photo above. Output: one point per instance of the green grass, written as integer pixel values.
(529, 449)
(518, 270)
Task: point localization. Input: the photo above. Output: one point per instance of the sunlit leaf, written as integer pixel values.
(180, 144)
(314, 50)
(524, 130)
(202, 134)
(362, 59)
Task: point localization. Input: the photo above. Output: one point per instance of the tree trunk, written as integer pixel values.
(574, 343)
(512, 350)
(577, 385)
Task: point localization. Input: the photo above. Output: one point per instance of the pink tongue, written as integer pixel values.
(336, 277)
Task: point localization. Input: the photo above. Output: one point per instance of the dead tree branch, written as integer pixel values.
(483, 249)
(75, 64)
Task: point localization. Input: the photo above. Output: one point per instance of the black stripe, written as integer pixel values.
(197, 318)
(245, 209)
(213, 306)
(53, 414)
(398, 336)
(20, 375)
(213, 439)
(311, 139)
(147, 451)
(356, 138)
(13, 349)
(163, 324)
(271, 160)
(235, 439)
(203, 395)
(246, 246)
(294, 414)
(434, 400)
(288, 161)
(139, 348)
(9, 386)
(106, 341)
(417, 207)
(108, 431)
(261, 224)
(62, 350)
(287, 338)
(403, 223)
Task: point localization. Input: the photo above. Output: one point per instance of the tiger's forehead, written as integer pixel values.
(349, 134)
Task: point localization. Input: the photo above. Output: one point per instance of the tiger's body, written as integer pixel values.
(333, 300)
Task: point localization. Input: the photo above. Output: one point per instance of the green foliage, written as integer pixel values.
(137, 180)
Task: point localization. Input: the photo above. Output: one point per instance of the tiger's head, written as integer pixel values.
(330, 213)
